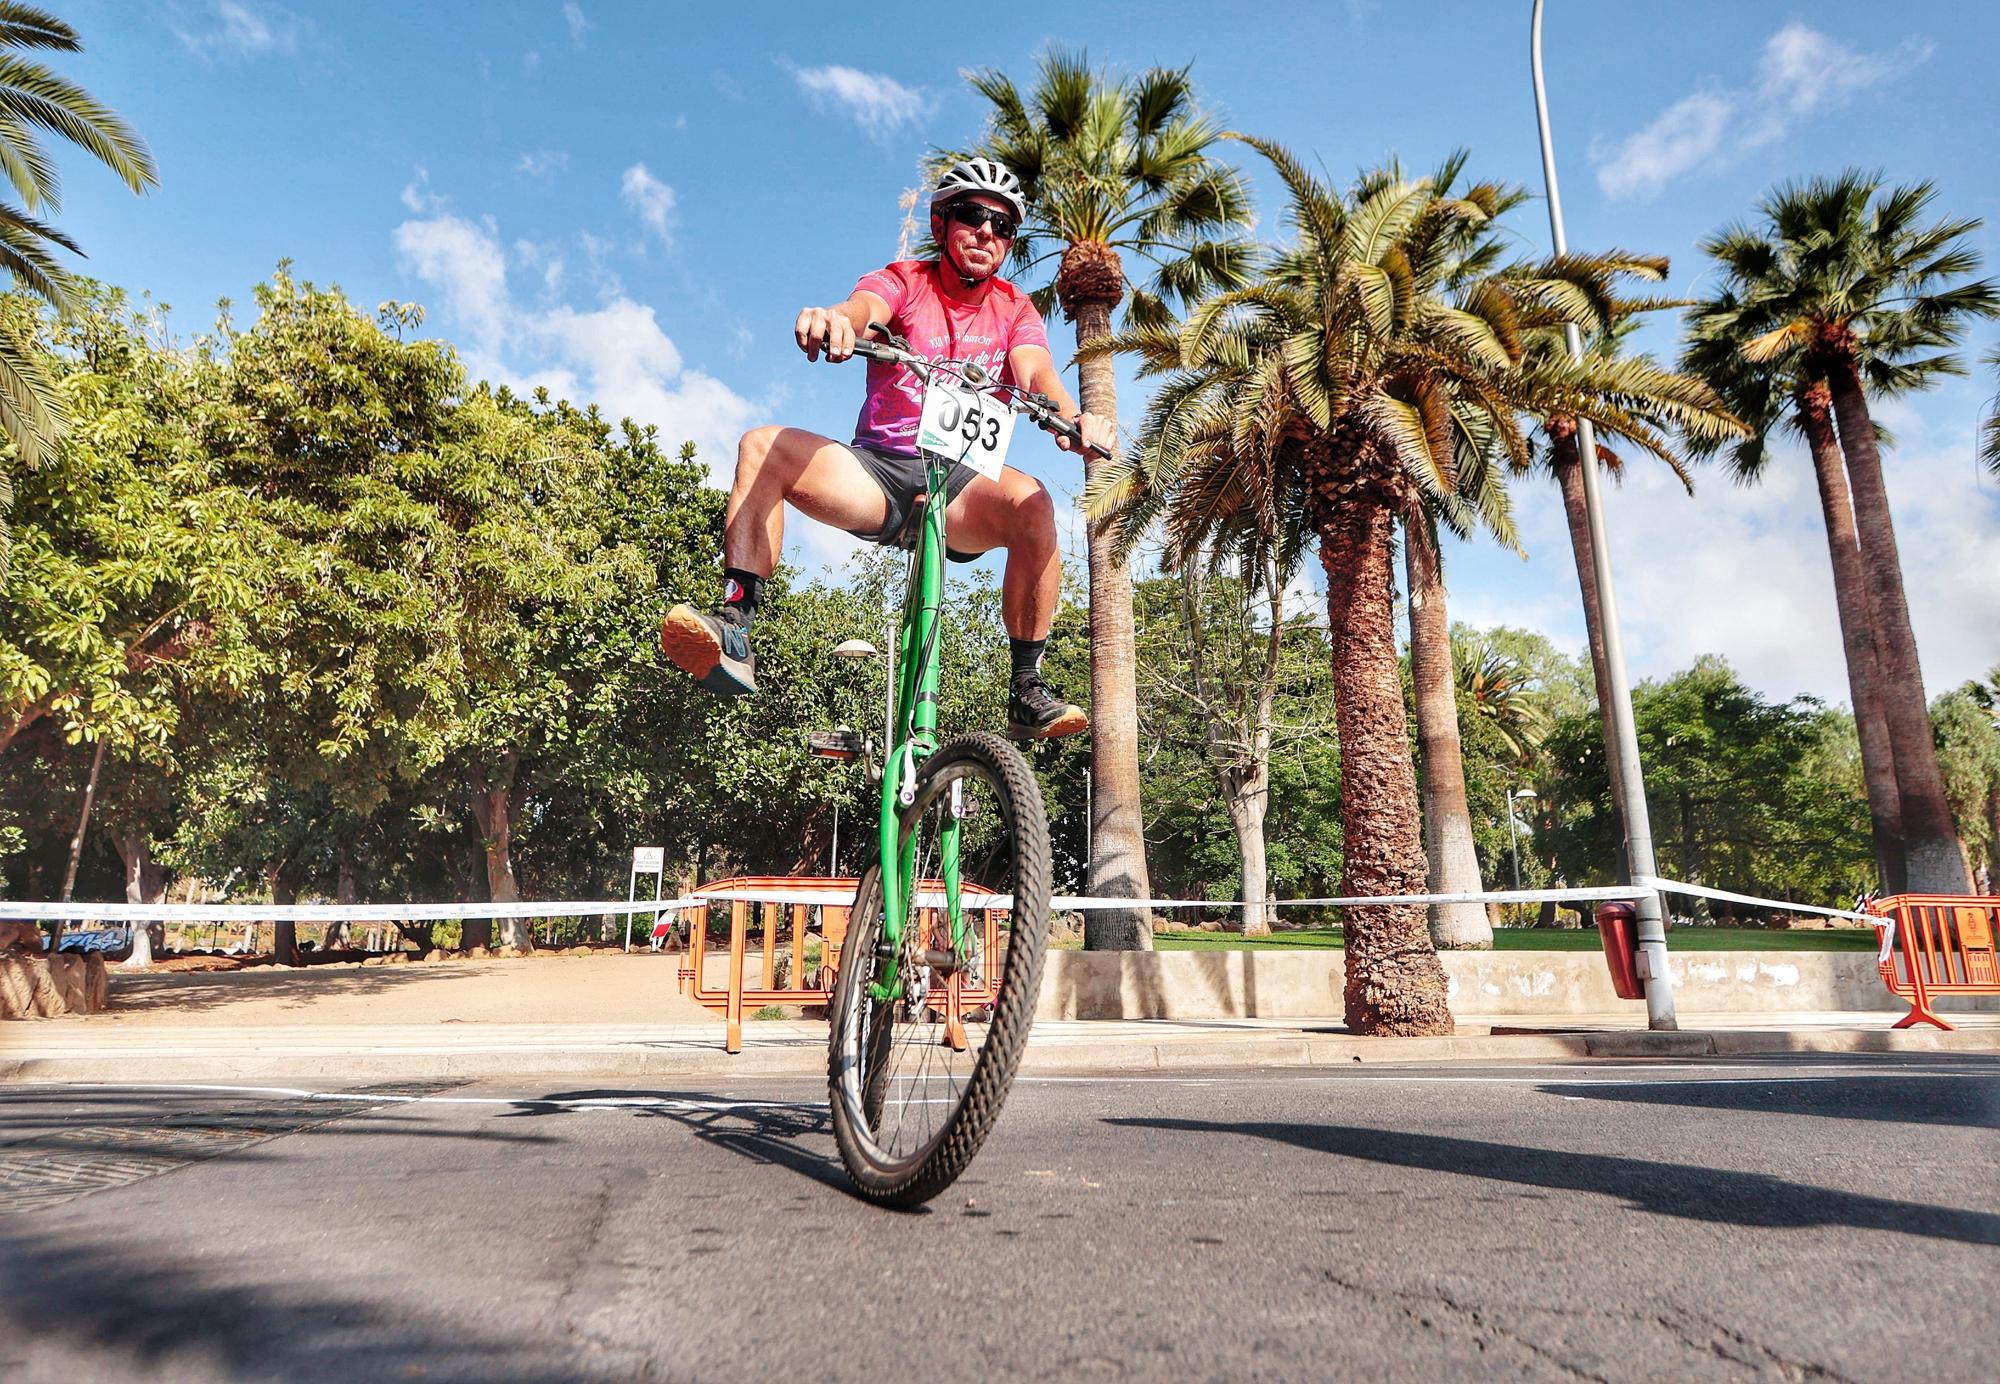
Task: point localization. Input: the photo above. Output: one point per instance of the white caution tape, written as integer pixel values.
(1698, 891)
(320, 912)
(434, 912)
(824, 895)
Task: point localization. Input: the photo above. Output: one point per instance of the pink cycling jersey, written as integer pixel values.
(937, 329)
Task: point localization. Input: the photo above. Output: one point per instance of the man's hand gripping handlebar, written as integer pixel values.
(894, 350)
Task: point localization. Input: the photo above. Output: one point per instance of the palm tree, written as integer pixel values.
(1114, 167)
(1315, 406)
(1989, 431)
(1500, 689)
(1776, 395)
(1842, 284)
(33, 98)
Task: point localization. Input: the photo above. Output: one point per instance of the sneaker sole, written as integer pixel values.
(1069, 723)
(692, 647)
(689, 644)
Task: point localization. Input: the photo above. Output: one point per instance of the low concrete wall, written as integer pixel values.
(1307, 984)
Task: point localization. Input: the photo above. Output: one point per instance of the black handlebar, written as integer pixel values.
(893, 350)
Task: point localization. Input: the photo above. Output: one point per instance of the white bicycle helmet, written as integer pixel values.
(979, 175)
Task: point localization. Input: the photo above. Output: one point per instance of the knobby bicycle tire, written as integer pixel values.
(858, 1061)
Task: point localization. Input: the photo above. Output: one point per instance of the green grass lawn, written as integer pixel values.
(1540, 939)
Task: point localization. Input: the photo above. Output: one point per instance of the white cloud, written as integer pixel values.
(1801, 72)
(539, 163)
(573, 16)
(652, 199)
(417, 194)
(1744, 572)
(243, 27)
(616, 355)
(878, 104)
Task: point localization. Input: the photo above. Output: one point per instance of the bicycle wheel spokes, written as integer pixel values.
(918, 1077)
(960, 850)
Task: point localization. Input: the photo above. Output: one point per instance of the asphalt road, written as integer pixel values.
(1806, 1219)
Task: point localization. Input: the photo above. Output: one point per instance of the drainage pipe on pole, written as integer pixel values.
(1631, 786)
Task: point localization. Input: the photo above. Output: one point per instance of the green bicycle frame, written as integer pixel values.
(914, 740)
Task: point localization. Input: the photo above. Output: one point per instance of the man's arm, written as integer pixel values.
(1036, 370)
(834, 329)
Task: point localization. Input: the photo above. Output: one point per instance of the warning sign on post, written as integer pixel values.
(648, 859)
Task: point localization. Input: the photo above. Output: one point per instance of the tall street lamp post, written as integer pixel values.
(1631, 787)
(856, 648)
(1513, 832)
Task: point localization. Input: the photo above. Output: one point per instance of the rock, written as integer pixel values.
(1205, 925)
(479, 954)
(396, 959)
(371, 960)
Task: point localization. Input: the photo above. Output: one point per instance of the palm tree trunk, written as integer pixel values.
(1118, 825)
(1454, 865)
(1857, 635)
(1931, 847)
(1568, 459)
(1395, 984)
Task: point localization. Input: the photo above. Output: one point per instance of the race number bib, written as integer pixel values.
(961, 423)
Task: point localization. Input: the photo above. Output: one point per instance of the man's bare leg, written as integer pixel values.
(1016, 513)
(774, 467)
(780, 466)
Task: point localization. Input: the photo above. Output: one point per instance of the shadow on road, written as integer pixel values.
(768, 1132)
(1922, 1100)
(1668, 1189)
(105, 1309)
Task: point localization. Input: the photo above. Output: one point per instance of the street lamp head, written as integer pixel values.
(854, 648)
(1524, 792)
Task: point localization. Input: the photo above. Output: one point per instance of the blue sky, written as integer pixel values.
(630, 202)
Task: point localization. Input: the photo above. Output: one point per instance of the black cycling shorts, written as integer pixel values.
(902, 480)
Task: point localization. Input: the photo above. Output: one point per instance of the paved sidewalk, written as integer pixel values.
(621, 1017)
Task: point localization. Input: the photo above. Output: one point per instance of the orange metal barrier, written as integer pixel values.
(815, 986)
(1937, 944)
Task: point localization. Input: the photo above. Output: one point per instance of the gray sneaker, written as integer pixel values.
(1035, 712)
(713, 651)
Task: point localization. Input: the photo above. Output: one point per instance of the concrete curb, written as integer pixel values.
(1070, 1054)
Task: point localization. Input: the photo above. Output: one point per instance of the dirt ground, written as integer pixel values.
(608, 988)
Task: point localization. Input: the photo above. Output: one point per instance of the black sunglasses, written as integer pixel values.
(973, 215)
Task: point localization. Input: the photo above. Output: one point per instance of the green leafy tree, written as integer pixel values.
(1114, 168)
(1310, 408)
(139, 568)
(1968, 735)
(1745, 794)
(1842, 290)
(1224, 691)
(36, 101)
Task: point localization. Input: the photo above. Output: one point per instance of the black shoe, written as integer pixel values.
(1035, 712)
(713, 651)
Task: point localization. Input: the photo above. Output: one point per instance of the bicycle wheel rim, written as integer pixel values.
(899, 1079)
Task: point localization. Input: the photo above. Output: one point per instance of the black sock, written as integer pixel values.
(1027, 656)
(742, 592)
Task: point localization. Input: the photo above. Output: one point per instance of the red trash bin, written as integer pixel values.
(1618, 929)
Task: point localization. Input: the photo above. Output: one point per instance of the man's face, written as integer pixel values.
(977, 249)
